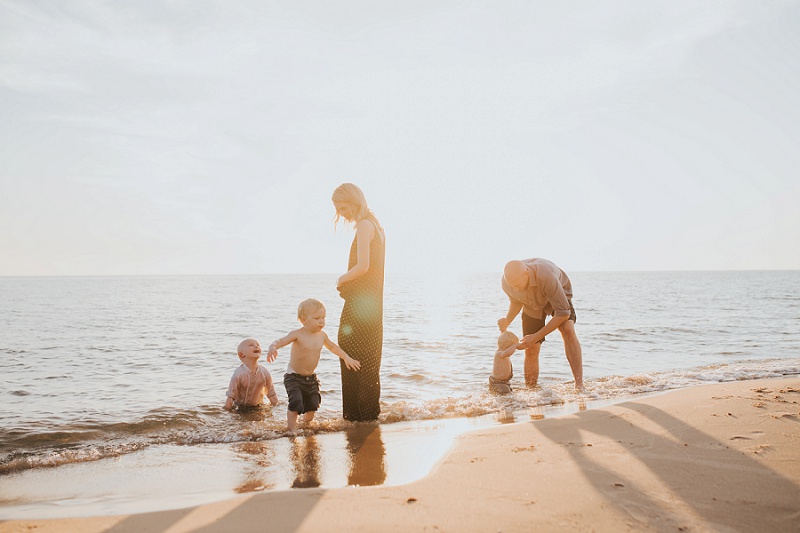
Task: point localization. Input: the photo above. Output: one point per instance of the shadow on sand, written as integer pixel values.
(726, 489)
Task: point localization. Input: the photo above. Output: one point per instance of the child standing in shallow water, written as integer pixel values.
(502, 372)
(302, 385)
(250, 381)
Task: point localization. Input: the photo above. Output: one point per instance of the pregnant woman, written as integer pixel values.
(361, 324)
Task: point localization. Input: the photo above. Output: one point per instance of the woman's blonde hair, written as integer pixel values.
(308, 307)
(352, 195)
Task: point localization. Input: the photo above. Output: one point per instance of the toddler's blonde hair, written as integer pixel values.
(506, 339)
(308, 307)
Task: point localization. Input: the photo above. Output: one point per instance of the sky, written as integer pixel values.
(206, 137)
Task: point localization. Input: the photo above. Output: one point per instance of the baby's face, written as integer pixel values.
(250, 349)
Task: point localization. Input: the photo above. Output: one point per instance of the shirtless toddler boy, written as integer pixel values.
(302, 385)
(500, 380)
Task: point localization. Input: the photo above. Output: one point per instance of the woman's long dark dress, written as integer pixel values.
(361, 334)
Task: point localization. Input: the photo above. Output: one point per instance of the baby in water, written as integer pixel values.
(500, 380)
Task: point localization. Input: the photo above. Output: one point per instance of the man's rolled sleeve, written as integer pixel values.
(556, 296)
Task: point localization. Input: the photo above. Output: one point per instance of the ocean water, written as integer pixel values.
(99, 369)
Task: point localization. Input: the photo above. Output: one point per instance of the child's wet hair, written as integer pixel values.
(308, 307)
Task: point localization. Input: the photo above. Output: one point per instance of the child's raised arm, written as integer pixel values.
(349, 362)
(272, 349)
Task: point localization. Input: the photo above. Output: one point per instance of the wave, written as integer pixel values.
(409, 377)
(648, 333)
(41, 447)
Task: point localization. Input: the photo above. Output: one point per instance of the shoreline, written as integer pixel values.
(723, 456)
(164, 477)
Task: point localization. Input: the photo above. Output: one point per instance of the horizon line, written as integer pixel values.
(464, 273)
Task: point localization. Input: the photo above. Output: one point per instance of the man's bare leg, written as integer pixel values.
(532, 365)
(572, 348)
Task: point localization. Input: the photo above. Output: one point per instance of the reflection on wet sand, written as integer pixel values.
(306, 460)
(538, 413)
(261, 455)
(367, 455)
(505, 416)
(361, 454)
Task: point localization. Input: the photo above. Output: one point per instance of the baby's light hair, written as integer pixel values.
(308, 307)
(506, 339)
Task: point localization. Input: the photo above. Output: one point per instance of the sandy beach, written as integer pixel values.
(722, 457)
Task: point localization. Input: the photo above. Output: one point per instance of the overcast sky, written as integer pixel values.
(201, 136)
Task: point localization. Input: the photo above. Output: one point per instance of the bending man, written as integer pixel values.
(538, 288)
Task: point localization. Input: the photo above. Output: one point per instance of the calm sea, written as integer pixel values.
(104, 367)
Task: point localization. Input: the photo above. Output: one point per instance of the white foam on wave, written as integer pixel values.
(222, 427)
(606, 388)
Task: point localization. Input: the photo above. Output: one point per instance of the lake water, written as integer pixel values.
(132, 372)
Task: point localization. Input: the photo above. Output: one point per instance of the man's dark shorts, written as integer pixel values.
(303, 392)
(532, 325)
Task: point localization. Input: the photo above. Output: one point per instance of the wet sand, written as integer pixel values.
(723, 457)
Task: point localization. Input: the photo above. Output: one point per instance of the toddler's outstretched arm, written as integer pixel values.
(272, 349)
(349, 362)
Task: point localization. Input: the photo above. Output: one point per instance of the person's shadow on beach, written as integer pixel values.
(725, 487)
